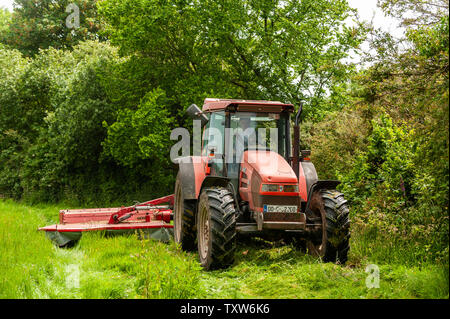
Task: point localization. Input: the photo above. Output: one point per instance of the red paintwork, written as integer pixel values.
(82, 227)
(245, 191)
(200, 169)
(211, 105)
(125, 210)
(271, 167)
(302, 184)
(280, 193)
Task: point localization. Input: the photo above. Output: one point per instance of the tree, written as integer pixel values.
(40, 24)
(416, 12)
(391, 147)
(5, 18)
(286, 50)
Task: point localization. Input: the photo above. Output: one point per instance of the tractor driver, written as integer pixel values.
(245, 138)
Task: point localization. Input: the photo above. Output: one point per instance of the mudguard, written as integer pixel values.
(193, 177)
(324, 184)
(319, 185)
(215, 181)
(310, 175)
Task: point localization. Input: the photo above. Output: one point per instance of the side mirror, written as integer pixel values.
(195, 113)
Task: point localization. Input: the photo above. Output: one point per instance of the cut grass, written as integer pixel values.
(127, 267)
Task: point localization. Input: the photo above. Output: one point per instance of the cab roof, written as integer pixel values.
(214, 105)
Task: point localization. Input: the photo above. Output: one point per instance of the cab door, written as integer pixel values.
(213, 144)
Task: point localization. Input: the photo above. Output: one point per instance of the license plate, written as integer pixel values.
(280, 209)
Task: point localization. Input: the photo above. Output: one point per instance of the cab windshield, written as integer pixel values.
(229, 135)
(260, 131)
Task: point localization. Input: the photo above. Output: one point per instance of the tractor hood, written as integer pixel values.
(270, 166)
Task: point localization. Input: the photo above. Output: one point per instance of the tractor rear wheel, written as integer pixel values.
(334, 244)
(216, 228)
(184, 220)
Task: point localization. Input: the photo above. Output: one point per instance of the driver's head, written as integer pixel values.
(244, 123)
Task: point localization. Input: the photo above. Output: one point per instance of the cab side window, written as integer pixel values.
(213, 134)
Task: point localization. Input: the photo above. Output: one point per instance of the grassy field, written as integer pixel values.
(126, 267)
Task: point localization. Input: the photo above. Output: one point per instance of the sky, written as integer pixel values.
(6, 4)
(368, 10)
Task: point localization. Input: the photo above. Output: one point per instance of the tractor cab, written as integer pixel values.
(236, 126)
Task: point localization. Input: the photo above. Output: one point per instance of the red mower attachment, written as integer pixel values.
(152, 218)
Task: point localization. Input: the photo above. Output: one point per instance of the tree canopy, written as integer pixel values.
(284, 50)
(40, 24)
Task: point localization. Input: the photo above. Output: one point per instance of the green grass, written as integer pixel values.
(126, 267)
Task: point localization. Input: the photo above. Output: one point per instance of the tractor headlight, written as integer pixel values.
(290, 188)
(270, 188)
(279, 188)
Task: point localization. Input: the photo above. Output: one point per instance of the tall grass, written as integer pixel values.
(106, 267)
(27, 258)
(133, 267)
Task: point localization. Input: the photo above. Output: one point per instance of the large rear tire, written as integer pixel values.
(184, 219)
(334, 244)
(216, 228)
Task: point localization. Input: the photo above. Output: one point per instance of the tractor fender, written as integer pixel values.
(309, 171)
(221, 181)
(210, 181)
(320, 185)
(192, 174)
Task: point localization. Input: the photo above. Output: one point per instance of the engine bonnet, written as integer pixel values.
(270, 166)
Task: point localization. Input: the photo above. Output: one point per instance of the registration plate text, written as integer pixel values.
(280, 209)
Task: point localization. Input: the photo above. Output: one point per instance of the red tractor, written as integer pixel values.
(261, 191)
(239, 184)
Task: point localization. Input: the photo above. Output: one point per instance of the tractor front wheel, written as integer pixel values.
(216, 228)
(333, 246)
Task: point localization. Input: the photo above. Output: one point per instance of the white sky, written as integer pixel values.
(6, 4)
(368, 11)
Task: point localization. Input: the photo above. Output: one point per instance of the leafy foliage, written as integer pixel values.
(5, 18)
(40, 24)
(290, 50)
(391, 146)
(141, 134)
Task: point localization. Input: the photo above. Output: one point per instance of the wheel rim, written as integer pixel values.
(203, 232)
(321, 249)
(315, 248)
(178, 214)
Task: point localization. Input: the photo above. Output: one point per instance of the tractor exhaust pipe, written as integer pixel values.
(296, 150)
